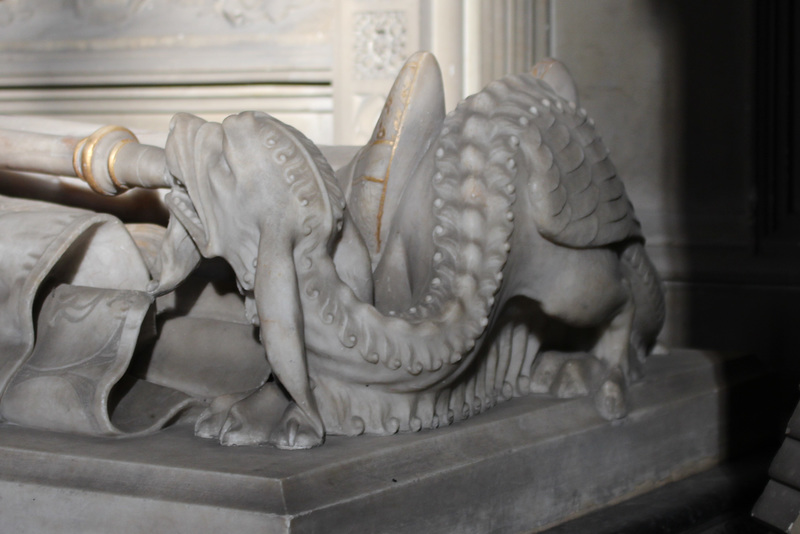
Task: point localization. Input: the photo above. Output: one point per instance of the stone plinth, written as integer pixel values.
(526, 464)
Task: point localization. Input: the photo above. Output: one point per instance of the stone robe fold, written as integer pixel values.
(72, 305)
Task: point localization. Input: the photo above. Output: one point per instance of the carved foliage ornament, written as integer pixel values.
(380, 44)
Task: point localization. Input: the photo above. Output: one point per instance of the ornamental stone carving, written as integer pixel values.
(456, 262)
(380, 43)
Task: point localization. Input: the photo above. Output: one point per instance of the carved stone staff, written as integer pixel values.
(111, 160)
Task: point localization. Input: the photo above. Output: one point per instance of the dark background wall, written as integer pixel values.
(697, 102)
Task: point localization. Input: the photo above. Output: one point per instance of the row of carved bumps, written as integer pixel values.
(474, 192)
(501, 374)
(300, 163)
(473, 201)
(480, 142)
(473, 198)
(476, 171)
(499, 110)
(507, 110)
(300, 160)
(577, 196)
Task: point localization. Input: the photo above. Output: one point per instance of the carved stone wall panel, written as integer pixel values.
(673, 100)
(47, 42)
(307, 107)
(380, 46)
(199, 44)
(499, 40)
(475, 42)
(372, 40)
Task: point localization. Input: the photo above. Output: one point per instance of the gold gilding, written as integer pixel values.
(76, 158)
(84, 152)
(112, 160)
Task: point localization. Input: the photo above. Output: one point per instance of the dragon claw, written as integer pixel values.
(296, 431)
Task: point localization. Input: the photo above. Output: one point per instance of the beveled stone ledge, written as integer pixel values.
(526, 464)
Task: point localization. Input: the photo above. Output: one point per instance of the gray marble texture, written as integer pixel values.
(527, 464)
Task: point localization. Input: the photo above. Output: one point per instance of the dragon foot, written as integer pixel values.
(243, 418)
(296, 430)
(210, 422)
(567, 375)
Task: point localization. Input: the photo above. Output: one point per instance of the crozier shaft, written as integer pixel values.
(110, 161)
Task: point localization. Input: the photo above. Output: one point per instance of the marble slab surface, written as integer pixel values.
(525, 465)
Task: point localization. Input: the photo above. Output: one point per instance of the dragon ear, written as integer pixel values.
(177, 258)
(558, 77)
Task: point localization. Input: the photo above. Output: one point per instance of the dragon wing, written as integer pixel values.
(577, 198)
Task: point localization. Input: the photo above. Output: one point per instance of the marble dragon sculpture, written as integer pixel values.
(456, 262)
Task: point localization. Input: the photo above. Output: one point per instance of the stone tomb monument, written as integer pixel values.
(483, 265)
